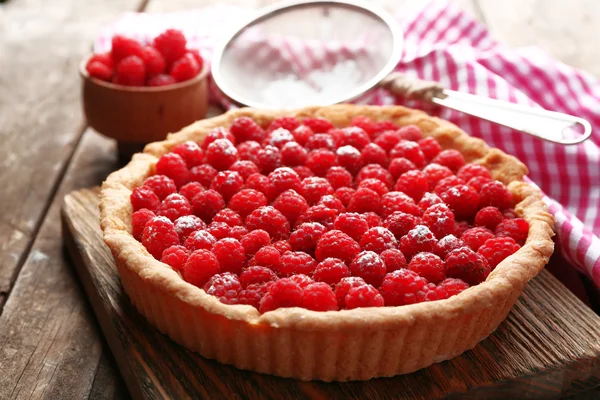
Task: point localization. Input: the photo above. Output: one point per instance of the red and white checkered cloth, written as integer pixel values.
(444, 44)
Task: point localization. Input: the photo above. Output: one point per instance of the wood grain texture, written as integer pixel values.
(548, 346)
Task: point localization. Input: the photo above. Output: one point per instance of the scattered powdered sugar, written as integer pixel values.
(421, 233)
(347, 150)
(280, 135)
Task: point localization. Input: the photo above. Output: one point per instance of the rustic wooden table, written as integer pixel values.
(50, 344)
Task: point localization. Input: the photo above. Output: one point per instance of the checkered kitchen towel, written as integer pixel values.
(444, 44)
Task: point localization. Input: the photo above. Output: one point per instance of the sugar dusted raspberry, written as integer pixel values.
(301, 134)
(138, 222)
(283, 246)
(398, 201)
(191, 189)
(200, 239)
(344, 286)
(268, 159)
(450, 287)
(428, 266)
(369, 266)
(282, 179)
(418, 239)
(237, 232)
(465, 264)
(203, 174)
(171, 44)
(231, 255)
(291, 205)
(256, 275)
(186, 224)
(306, 236)
(489, 217)
(393, 259)
(174, 206)
(399, 223)
(227, 183)
(269, 219)
(185, 68)
(516, 228)
(373, 219)
(244, 128)
(218, 133)
(476, 237)
(303, 171)
(153, 60)
(293, 154)
(144, 197)
(428, 200)
(245, 168)
(122, 47)
(447, 183)
(403, 287)
(469, 171)
(378, 239)
(430, 147)
(279, 137)
(439, 219)
(296, 262)
(319, 296)
(435, 173)
(283, 293)
(158, 235)
(228, 216)
(375, 171)
(173, 166)
(254, 240)
(463, 200)
(460, 227)
(447, 244)
(248, 150)
(364, 200)
(319, 161)
(479, 182)
(410, 132)
(352, 224)
(259, 183)
(344, 194)
(413, 184)
(319, 213)
(363, 296)
(318, 125)
(200, 266)
(339, 177)
(247, 200)
(161, 185)
(409, 150)
(313, 188)
(375, 185)
(349, 158)
(336, 244)
(224, 286)
(388, 140)
(353, 136)
(373, 154)
(320, 141)
(497, 249)
(287, 122)
(331, 271)
(221, 154)
(99, 70)
(175, 256)
(330, 201)
(268, 257)
(253, 294)
(495, 194)
(400, 165)
(206, 204)
(450, 158)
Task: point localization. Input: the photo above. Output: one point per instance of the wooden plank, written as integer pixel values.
(547, 347)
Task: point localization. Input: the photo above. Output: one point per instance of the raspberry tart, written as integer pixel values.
(330, 243)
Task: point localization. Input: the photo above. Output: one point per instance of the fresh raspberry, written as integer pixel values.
(428, 266)
(224, 286)
(244, 128)
(495, 194)
(220, 133)
(282, 179)
(283, 246)
(465, 264)
(255, 240)
(248, 150)
(470, 171)
(428, 200)
(256, 275)
(447, 244)
(144, 197)
(259, 183)
(219, 230)
(463, 200)
(231, 255)
(375, 171)
(173, 166)
(131, 72)
(306, 236)
(460, 227)
(418, 239)
(413, 184)
(435, 173)
(174, 206)
(410, 132)
(245, 168)
(320, 141)
(330, 201)
(450, 287)
(409, 150)
(153, 60)
(450, 158)
(247, 200)
(291, 205)
(516, 228)
(268, 257)
(400, 165)
(339, 177)
(352, 224)
(476, 237)
(268, 159)
(237, 232)
(139, 219)
(375, 185)
(203, 174)
(161, 185)
(287, 122)
(373, 154)
(398, 201)
(171, 44)
(175, 256)
(364, 200)
(292, 154)
(191, 189)
(393, 259)
(447, 183)
(197, 56)
(227, 183)
(489, 217)
(200, 266)
(344, 286)
(336, 244)
(319, 296)
(369, 266)
(353, 136)
(282, 293)
(372, 219)
(331, 271)
(344, 194)
(478, 182)
(318, 125)
(186, 224)
(228, 216)
(161, 80)
(349, 158)
(319, 213)
(279, 137)
(363, 296)
(158, 235)
(191, 153)
(103, 58)
(199, 240)
(313, 188)
(206, 204)
(253, 294)
(497, 249)
(123, 47)
(365, 123)
(303, 171)
(301, 134)
(296, 262)
(430, 147)
(221, 154)
(403, 287)
(319, 161)
(388, 140)
(509, 213)
(378, 239)
(99, 70)
(269, 219)
(399, 223)
(439, 219)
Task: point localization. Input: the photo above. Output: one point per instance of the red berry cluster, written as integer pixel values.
(300, 213)
(165, 61)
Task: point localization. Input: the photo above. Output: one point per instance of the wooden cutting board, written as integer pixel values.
(549, 346)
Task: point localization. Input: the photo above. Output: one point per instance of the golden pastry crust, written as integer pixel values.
(336, 345)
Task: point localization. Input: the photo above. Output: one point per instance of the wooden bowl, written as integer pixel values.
(135, 116)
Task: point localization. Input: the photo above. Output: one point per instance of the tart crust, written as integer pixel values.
(341, 345)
